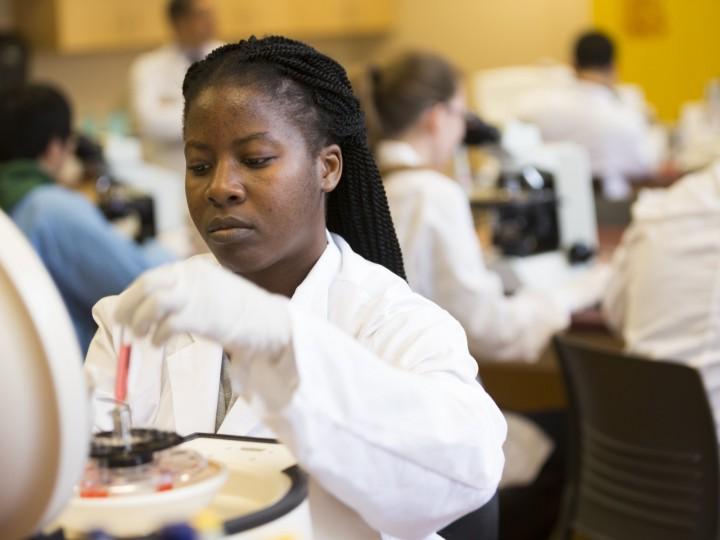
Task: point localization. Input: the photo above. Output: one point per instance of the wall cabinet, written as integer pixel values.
(304, 18)
(105, 25)
(91, 25)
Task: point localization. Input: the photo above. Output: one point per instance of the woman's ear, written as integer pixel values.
(331, 164)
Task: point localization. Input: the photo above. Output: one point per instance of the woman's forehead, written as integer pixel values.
(228, 97)
(238, 108)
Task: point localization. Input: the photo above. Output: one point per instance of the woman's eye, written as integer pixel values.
(199, 169)
(256, 163)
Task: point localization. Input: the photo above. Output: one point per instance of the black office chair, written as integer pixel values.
(482, 524)
(643, 448)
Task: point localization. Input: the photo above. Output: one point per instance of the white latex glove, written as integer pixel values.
(199, 297)
(585, 289)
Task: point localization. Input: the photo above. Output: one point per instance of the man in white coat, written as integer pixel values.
(156, 80)
(664, 293)
(591, 112)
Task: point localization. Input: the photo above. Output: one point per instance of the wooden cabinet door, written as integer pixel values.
(303, 18)
(92, 25)
(86, 25)
(97, 25)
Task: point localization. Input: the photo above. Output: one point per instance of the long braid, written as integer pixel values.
(357, 209)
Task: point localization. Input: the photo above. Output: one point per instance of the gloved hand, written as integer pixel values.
(585, 289)
(202, 298)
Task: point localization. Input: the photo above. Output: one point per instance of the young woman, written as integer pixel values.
(415, 109)
(416, 112)
(306, 326)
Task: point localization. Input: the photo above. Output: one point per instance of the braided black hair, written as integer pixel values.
(316, 92)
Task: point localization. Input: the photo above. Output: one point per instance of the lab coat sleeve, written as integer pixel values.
(634, 148)
(498, 327)
(393, 424)
(159, 116)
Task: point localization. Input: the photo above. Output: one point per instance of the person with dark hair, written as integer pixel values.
(595, 52)
(156, 80)
(302, 322)
(86, 258)
(592, 112)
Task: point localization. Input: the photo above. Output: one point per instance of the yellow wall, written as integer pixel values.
(489, 33)
(670, 47)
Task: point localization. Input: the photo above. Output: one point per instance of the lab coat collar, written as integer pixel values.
(312, 293)
(392, 153)
(597, 89)
(193, 368)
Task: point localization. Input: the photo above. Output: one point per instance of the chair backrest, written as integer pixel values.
(481, 524)
(644, 451)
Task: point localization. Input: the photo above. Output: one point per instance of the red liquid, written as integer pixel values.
(121, 373)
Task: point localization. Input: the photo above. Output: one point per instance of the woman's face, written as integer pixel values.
(255, 191)
(451, 127)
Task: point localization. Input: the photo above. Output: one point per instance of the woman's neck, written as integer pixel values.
(597, 76)
(285, 276)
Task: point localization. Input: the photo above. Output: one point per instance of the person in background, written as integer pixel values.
(664, 291)
(156, 80)
(301, 321)
(617, 134)
(84, 255)
(415, 111)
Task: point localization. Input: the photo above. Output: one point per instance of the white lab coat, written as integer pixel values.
(376, 397)
(444, 262)
(620, 141)
(156, 79)
(664, 291)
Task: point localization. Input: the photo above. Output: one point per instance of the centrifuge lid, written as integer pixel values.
(44, 426)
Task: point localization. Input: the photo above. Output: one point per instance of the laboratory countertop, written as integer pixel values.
(528, 387)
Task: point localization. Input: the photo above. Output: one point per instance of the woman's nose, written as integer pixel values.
(227, 187)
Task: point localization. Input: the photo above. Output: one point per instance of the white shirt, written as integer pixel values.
(664, 293)
(444, 263)
(618, 138)
(157, 102)
(379, 401)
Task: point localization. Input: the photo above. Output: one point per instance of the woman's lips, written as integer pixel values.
(229, 229)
